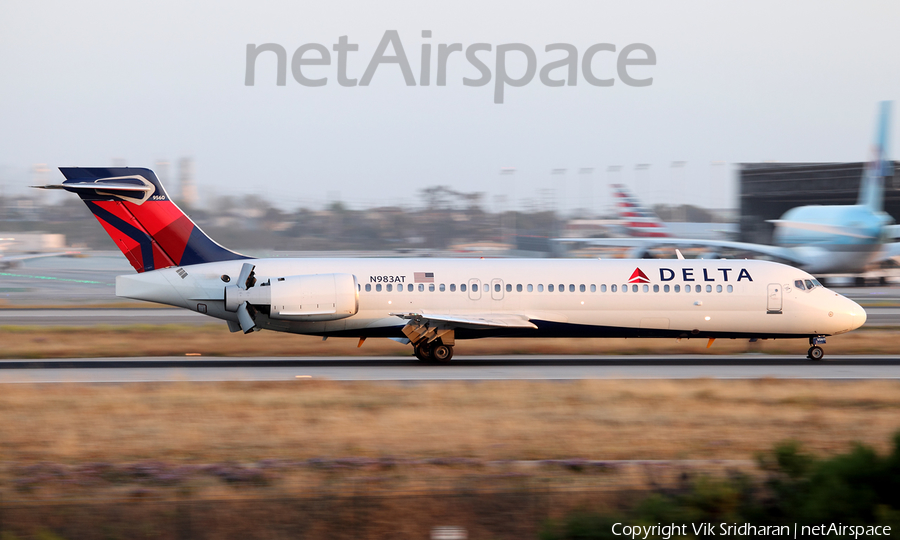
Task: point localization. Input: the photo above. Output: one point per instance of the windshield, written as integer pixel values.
(807, 284)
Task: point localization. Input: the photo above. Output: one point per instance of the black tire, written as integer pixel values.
(815, 353)
(424, 352)
(442, 353)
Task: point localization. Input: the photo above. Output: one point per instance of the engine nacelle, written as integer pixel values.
(318, 297)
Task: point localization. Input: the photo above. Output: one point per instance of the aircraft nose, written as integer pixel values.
(857, 316)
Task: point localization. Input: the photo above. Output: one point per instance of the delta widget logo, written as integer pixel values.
(638, 277)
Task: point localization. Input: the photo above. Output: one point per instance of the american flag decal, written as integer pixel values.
(423, 277)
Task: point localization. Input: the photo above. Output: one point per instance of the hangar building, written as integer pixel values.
(768, 190)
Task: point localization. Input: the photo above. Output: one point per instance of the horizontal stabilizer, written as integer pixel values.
(133, 188)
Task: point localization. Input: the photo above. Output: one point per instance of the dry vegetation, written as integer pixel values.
(215, 340)
(484, 420)
(468, 424)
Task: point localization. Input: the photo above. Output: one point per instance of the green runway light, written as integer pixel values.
(55, 278)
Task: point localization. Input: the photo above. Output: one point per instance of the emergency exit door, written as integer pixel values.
(774, 298)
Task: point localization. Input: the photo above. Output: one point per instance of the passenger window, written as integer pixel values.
(496, 287)
(709, 288)
(634, 288)
(368, 287)
(421, 287)
(677, 288)
(718, 288)
(388, 287)
(799, 284)
(442, 288)
(519, 287)
(603, 287)
(562, 288)
(696, 288)
(809, 284)
(666, 288)
(530, 287)
(581, 288)
(378, 287)
(730, 288)
(572, 287)
(474, 287)
(453, 287)
(656, 288)
(541, 287)
(462, 287)
(612, 288)
(431, 288)
(593, 288)
(550, 288)
(646, 288)
(624, 288)
(409, 287)
(509, 287)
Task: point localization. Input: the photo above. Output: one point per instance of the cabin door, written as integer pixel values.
(774, 298)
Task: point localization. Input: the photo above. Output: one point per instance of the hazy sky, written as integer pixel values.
(83, 83)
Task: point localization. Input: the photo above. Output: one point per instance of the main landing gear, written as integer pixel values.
(815, 352)
(430, 352)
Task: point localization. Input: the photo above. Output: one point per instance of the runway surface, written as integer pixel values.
(117, 370)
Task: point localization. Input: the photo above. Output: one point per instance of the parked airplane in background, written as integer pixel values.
(12, 261)
(432, 302)
(819, 239)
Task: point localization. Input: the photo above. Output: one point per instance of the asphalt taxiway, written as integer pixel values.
(753, 366)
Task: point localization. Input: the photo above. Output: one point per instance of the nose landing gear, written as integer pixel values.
(815, 352)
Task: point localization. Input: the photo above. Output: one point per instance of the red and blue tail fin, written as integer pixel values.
(142, 220)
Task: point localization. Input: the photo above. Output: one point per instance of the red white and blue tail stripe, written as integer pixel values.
(639, 220)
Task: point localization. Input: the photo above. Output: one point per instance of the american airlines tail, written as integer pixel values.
(142, 220)
(871, 191)
(639, 220)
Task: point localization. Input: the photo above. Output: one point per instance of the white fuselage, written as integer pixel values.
(676, 298)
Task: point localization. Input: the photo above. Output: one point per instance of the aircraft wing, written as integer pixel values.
(641, 245)
(473, 322)
(819, 227)
(15, 259)
(889, 251)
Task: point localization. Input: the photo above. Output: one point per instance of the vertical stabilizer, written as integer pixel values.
(138, 215)
(639, 220)
(871, 190)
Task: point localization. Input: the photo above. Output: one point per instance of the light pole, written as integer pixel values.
(613, 176)
(511, 172)
(678, 181)
(587, 195)
(562, 187)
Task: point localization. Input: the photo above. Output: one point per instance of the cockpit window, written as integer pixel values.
(799, 284)
(816, 281)
(809, 284)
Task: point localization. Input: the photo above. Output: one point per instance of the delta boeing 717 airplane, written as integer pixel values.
(431, 303)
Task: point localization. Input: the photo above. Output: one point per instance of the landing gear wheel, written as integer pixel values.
(815, 353)
(442, 353)
(424, 352)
